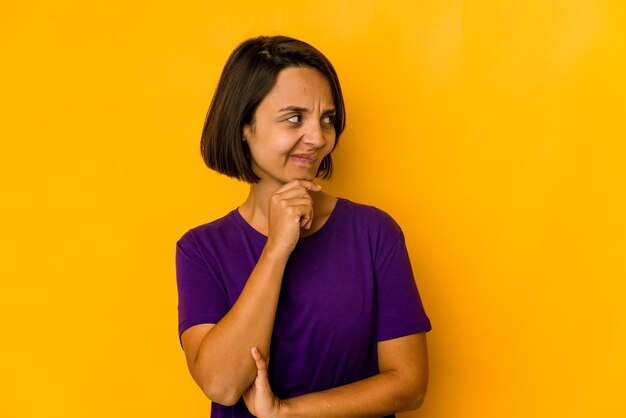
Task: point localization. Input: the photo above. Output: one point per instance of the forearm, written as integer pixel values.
(383, 394)
(223, 362)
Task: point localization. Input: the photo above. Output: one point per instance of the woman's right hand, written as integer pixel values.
(289, 209)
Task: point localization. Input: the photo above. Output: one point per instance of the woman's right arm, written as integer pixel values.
(218, 355)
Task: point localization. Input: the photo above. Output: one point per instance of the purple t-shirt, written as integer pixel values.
(345, 287)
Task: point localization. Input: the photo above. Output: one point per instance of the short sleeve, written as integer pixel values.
(201, 297)
(399, 307)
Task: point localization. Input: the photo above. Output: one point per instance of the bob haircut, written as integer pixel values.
(248, 76)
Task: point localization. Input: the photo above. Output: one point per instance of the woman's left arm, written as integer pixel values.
(400, 386)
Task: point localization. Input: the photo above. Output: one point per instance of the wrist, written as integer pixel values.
(285, 409)
(275, 253)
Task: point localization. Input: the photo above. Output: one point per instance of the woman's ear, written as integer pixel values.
(246, 132)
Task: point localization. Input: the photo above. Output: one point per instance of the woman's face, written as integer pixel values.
(293, 127)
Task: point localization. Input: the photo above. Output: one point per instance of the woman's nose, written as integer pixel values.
(315, 135)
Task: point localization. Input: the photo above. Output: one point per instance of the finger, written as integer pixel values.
(258, 359)
(297, 209)
(310, 222)
(261, 366)
(284, 199)
(303, 213)
(303, 206)
(309, 185)
(297, 202)
(291, 193)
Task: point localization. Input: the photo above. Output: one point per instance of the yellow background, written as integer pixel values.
(493, 132)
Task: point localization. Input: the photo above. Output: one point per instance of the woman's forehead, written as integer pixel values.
(300, 87)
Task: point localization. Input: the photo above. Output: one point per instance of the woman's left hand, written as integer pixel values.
(259, 398)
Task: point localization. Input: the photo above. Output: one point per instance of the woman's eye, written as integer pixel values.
(295, 119)
(329, 119)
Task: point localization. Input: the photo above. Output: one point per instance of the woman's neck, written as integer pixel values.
(255, 208)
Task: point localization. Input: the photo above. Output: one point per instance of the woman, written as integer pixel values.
(297, 303)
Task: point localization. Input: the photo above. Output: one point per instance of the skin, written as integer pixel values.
(291, 132)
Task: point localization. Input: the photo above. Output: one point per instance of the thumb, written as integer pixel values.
(261, 365)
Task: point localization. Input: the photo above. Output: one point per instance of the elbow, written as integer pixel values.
(221, 397)
(222, 394)
(221, 386)
(217, 389)
(409, 401)
(417, 402)
(411, 397)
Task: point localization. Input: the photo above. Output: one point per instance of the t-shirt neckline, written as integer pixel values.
(258, 235)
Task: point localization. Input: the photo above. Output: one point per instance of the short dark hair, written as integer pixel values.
(248, 76)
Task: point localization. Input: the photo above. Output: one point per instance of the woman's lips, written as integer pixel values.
(307, 159)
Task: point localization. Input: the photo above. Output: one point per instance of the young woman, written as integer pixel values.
(296, 303)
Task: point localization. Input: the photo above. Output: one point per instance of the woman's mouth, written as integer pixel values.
(306, 159)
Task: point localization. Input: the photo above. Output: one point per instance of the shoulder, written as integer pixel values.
(212, 232)
(372, 219)
(219, 225)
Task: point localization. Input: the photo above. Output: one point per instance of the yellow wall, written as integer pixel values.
(493, 131)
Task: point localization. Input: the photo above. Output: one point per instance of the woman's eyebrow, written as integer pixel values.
(303, 109)
(294, 109)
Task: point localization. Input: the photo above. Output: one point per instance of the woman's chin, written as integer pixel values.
(310, 176)
(300, 176)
